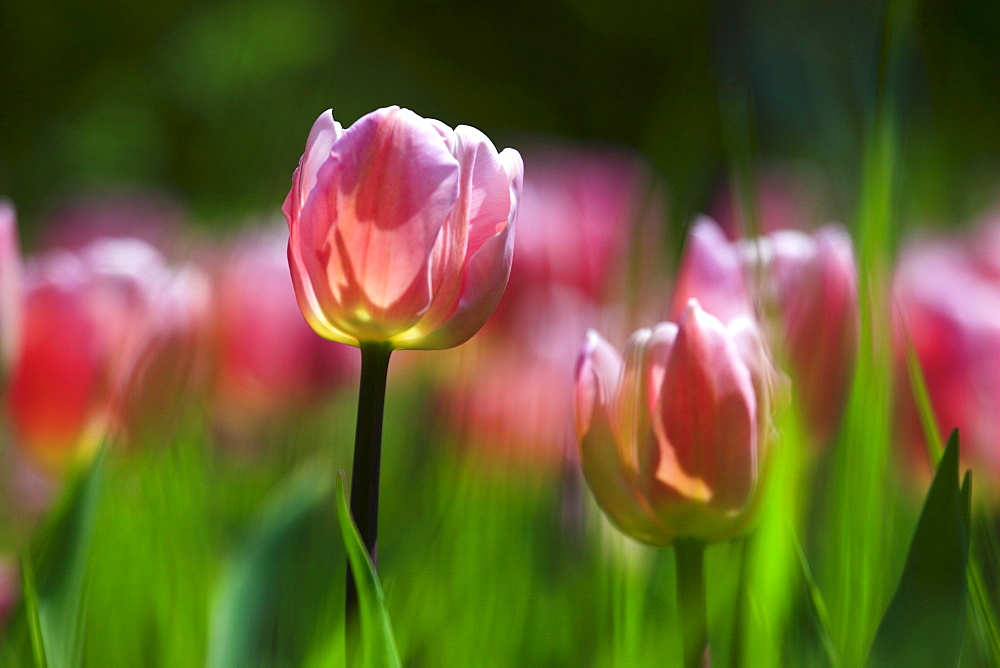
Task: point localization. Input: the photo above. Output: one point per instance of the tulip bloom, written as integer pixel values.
(810, 282)
(671, 436)
(947, 300)
(267, 359)
(94, 325)
(401, 229)
(806, 285)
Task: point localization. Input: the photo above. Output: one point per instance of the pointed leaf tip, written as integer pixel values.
(378, 643)
(925, 622)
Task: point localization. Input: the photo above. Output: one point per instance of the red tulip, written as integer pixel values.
(671, 436)
(401, 229)
(267, 359)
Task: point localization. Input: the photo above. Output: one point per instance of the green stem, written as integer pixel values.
(690, 557)
(365, 472)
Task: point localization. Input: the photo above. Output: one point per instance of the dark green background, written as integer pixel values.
(212, 101)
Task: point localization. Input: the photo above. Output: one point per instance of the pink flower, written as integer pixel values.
(805, 285)
(671, 436)
(401, 229)
(947, 300)
(810, 282)
(10, 286)
(95, 323)
(267, 359)
(579, 211)
(712, 272)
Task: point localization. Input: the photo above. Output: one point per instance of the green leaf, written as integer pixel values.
(925, 621)
(377, 641)
(54, 573)
(248, 615)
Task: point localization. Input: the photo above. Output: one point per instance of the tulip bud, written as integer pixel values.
(671, 436)
(810, 283)
(711, 271)
(806, 286)
(401, 229)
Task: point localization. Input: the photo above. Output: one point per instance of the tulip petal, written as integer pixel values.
(707, 417)
(711, 272)
(598, 372)
(484, 280)
(598, 380)
(56, 384)
(394, 185)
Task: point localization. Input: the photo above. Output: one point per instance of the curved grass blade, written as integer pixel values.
(55, 579)
(378, 644)
(248, 600)
(925, 622)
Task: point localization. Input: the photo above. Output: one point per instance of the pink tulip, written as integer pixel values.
(805, 284)
(401, 229)
(94, 324)
(947, 299)
(10, 286)
(810, 282)
(671, 436)
(267, 359)
(579, 211)
(712, 272)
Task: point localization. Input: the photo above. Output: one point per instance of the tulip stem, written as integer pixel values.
(365, 472)
(690, 558)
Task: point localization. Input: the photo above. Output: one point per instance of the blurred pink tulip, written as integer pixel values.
(671, 437)
(94, 321)
(809, 282)
(267, 359)
(805, 285)
(947, 301)
(401, 230)
(580, 213)
(578, 210)
(712, 272)
(10, 287)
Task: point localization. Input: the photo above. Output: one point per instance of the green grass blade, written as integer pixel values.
(378, 643)
(248, 602)
(31, 612)
(57, 577)
(925, 622)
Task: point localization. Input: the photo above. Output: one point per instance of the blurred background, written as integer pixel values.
(179, 124)
(210, 101)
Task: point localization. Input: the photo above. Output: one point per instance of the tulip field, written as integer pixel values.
(487, 370)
